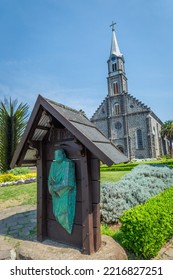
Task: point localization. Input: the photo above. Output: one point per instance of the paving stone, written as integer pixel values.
(17, 227)
(3, 229)
(166, 252)
(24, 233)
(166, 257)
(169, 252)
(5, 248)
(5, 255)
(3, 222)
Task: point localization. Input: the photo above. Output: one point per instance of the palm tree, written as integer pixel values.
(167, 130)
(13, 120)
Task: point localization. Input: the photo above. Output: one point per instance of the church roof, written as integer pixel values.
(114, 45)
(75, 122)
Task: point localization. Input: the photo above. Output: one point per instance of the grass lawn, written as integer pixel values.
(12, 196)
(112, 176)
(17, 195)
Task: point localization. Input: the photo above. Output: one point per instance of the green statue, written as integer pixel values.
(62, 187)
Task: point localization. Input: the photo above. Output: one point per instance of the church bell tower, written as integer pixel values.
(117, 81)
(128, 123)
(116, 99)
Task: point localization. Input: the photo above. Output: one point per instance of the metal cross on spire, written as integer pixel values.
(113, 25)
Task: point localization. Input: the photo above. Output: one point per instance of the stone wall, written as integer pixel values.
(122, 128)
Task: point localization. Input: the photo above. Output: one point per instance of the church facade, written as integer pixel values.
(131, 125)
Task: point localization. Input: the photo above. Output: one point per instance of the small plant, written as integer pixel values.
(166, 157)
(32, 233)
(105, 229)
(19, 170)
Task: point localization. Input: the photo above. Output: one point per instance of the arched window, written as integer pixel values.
(114, 67)
(139, 139)
(117, 108)
(115, 87)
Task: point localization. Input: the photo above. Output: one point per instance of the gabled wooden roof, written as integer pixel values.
(84, 130)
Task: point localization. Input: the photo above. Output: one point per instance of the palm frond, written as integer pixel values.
(13, 120)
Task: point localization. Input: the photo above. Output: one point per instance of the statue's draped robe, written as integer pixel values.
(62, 187)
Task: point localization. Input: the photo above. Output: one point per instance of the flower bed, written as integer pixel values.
(10, 179)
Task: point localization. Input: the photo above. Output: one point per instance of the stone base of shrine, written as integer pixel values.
(49, 250)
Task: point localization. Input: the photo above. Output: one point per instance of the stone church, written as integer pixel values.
(131, 125)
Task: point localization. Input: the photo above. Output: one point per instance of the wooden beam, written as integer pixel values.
(87, 213)
(41, 195)
(42, 127)
(27, 135)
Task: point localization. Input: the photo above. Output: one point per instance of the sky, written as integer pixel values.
(59, 49)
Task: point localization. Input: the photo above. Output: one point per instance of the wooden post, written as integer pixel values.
(41, 195)
(87, 213)
(95, 184)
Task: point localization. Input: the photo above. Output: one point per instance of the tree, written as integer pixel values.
(167, 130)
(13, 120)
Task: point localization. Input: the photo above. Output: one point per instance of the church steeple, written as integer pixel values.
(114, 44)
(117, 81)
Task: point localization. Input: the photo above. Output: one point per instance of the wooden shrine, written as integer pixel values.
(54, 126)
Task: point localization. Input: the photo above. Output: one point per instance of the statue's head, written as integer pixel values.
(59, 155)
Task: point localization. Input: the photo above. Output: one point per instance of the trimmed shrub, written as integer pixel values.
(143, 182)
(147, 227)
(19, 170)
(118, 167)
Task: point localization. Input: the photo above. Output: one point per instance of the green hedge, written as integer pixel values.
(118, 167)
(129, 166)
(148, 226)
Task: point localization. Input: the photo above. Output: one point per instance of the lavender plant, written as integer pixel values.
(143, 182)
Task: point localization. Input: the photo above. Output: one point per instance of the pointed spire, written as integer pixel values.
(114, 44)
